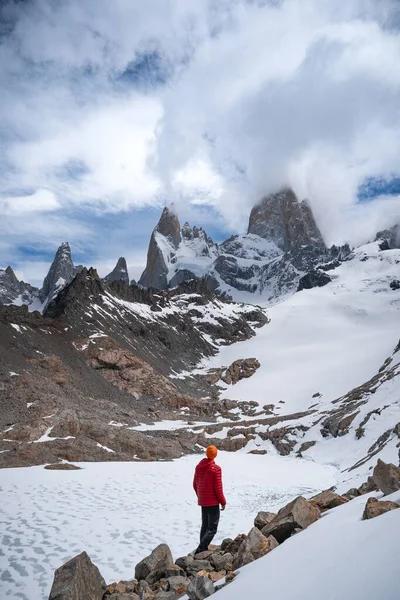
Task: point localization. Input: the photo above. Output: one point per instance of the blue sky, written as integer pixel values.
(109, 110)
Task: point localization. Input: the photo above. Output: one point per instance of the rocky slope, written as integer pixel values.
(282, 244)
(104, 358)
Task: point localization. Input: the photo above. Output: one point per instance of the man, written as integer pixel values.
(207, 484)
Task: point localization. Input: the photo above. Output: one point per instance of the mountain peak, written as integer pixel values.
(61, 272)
(119, 273)
(282, 219)
(169, 225)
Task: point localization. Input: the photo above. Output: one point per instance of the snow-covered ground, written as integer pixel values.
(340, 557)
(118, 512)
(325, 340)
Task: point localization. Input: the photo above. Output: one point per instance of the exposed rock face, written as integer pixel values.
(282, 219)
(299, 513)
(119, 273)
(11, 289)
(62, 272)
(313, 279)
(159, 560)
(386, 477)
(77, 579)
(375, 508)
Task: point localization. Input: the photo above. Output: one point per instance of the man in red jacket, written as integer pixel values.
(207, 484)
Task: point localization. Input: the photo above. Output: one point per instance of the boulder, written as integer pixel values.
(216, 575)
(159, 560)
(298, 513)
(352, 493)
(368, 486)
(327, 499)
(203, 555)
(222, 562)
(76, 579)
(375, 508)
(254, 546)
(386, 477)
(184, 562)
(313, 279)
(200, 587)
(240, 369)
(235, 544)
(174, 571)
(263, 518)
(177, 584)
(198, 565)
(164, 596)
(225, 544)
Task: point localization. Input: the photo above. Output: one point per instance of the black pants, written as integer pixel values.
(209, 526)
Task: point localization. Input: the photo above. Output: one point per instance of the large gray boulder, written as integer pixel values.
(387, 477)
(159, 560)
(78, 579)
(200, 587)
(298, 514)
(253, 547)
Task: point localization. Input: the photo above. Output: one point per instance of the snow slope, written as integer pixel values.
(119, 512)
(340, 557)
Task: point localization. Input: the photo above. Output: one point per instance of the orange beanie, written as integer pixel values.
(211, 452)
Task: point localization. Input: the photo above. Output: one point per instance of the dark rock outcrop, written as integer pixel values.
(282, 219)
(77, 579)
(253, 547)
(313, 279)
(62, 272)
(11, 288)
(159, 560)
(119, 273)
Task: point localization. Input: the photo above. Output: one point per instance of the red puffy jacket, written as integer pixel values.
(207, 483)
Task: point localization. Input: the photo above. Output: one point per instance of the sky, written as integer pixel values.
(110, 110)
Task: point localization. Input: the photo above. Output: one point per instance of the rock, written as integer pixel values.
(166, 596)
(117, 596)
(216, 575)
(177, 584)
(159, 560)
(386, 477)
(198, 565)
(240, 369)
(225, 544)
(298, 513)
(263, 518)
(77, 579)
(222, 562)
(368, 486)
(203, 555)
(258, 452)
(184, 562)
(174, 571)
(233, 547)
(253, 547)
(231, 576)
(200, 587)
(61, 273)
(395, 284)
(327, 499)
(352, 493)
(313, 279)
(305, 446)
(119, 273)
(375, 508)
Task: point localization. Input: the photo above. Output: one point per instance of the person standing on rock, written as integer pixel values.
(207, 484)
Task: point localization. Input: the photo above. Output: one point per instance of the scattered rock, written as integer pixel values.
(395, 284)
(200, 587)
(375, 508)
(231, 576)
(78, 578)
(225, 544)
(198, 565)
(305, 446)
(203, 555)
(386, 477)
(327, 499)
(367, 487)
(298, 513)
(216, 575)
(177, 584)
(352, 493)
(159, 560)
(233, 547)
(263, 518)
(240, 369)
(164, 596)
(259, 452)
(254, 546)
(313, 279)
(222, 562)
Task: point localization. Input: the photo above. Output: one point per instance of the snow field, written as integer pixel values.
(119, 512)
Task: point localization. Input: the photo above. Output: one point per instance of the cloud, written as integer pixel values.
(111, 108)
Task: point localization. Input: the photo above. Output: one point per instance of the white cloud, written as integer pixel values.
(257, 95)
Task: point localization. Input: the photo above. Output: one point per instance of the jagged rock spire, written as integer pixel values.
(282, 219)
(62, 272)
(119, 273)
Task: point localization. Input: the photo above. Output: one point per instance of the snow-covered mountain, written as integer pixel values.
(13, 291)
(283, 243)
